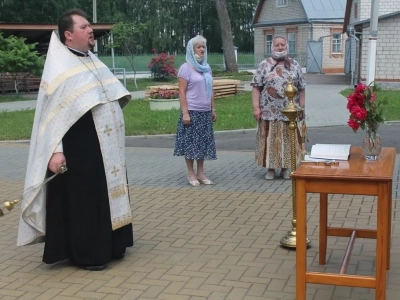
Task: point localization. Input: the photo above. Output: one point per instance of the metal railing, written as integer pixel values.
(115, 72)
(245, 60)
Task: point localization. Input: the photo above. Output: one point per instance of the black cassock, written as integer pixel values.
(78, 221)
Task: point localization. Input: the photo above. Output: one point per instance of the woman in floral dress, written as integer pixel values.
(268, 97)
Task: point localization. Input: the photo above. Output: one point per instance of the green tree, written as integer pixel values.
(35, 10)
(126, 37)
(241, 14)
(18, 58)
(170, 23)
(50, 10)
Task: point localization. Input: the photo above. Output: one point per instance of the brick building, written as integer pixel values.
(314, 29)
(357, 24)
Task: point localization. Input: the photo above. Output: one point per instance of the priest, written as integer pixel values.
(83, 214)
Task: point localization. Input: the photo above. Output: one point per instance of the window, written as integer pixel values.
(355, 10)
(292, 42)
(268, 43)
(281, 3)
(337, 43)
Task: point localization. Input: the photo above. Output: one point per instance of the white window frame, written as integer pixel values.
(268, 44)
(337, 42)
(291, 43)
(281, 3)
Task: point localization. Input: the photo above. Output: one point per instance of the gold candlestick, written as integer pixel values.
(291, 111)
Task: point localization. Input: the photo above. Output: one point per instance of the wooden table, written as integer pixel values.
(358, 177)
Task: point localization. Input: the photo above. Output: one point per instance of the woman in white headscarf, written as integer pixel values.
(195, 133)
(268, 97)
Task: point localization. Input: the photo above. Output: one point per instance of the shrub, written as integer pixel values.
(162, 67)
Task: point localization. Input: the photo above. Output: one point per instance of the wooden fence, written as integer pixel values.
(26, 83)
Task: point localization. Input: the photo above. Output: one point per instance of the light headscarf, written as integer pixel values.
(203, 67)
(280, 56)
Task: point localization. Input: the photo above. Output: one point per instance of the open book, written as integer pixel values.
(330, 151)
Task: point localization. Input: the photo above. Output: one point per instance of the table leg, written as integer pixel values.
(301, 234)
(382, 241)
(323, 224)
(389, 225)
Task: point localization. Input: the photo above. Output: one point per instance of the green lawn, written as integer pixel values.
(234, 112)
(14, 98)
(16, 125)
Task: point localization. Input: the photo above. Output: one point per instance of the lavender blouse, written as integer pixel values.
(196, 95)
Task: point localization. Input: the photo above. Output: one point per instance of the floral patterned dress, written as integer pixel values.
(273, 135)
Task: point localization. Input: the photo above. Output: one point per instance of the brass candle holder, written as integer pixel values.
(9, 205)
(291, 111)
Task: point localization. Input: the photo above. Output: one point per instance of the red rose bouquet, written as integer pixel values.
(365, 109)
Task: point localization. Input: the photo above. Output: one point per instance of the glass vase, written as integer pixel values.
(372, 144)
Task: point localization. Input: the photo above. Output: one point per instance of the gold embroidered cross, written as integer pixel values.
(107, 130)
(115, 171)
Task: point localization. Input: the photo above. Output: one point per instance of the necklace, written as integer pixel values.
(104, 90)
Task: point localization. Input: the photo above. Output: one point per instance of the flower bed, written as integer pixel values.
(164, 100)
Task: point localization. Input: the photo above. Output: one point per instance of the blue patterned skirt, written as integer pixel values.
(196, 140)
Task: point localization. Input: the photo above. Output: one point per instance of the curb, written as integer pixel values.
(234, 131)
(241, 131)
(392, 122)
(14, 141)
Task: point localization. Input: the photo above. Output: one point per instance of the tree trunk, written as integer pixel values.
(16, 83)
(226, 36)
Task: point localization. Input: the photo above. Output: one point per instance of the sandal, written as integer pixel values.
(204, 181)
(193, 182)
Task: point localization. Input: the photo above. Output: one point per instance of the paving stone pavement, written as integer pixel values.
(212, 242)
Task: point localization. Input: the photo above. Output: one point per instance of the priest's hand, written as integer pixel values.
(56, 161)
